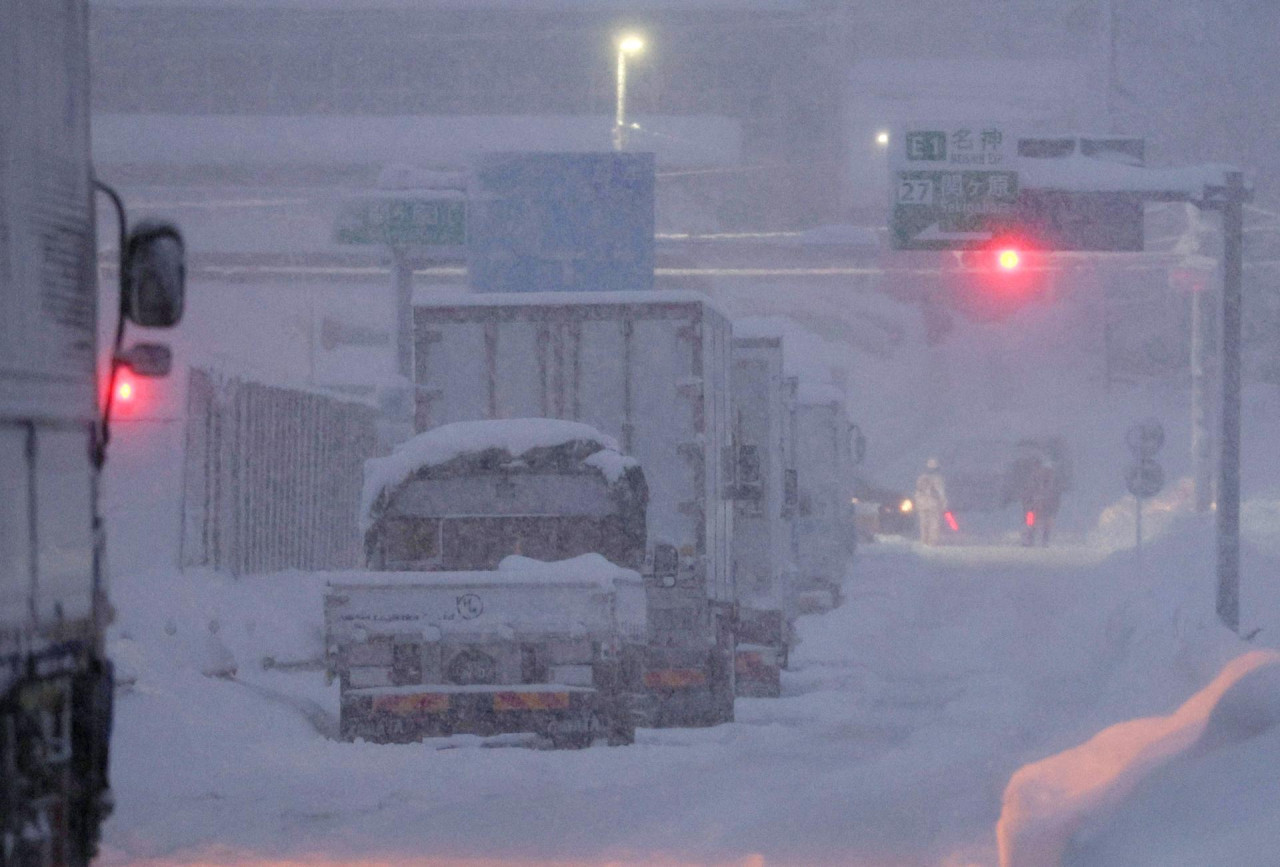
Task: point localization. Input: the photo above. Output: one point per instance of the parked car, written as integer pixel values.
(882, 511)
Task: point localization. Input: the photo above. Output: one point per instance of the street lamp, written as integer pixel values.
(628, 45)
(882, 138)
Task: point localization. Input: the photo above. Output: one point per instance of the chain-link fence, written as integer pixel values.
(271, 476)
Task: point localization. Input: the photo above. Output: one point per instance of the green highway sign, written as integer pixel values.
(942, 210)
(407, 222)
(954, 186)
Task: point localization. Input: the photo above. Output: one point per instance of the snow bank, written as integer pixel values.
(1047, 802)
(186, 619)
(513, 436)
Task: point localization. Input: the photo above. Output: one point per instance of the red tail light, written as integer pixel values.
(951, 522)
(1031, 519)
(125, 390)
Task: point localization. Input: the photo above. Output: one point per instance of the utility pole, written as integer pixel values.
(1232, 202)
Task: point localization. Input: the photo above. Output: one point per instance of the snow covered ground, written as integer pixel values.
(904, 716)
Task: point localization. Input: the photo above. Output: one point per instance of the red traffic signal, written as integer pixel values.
(999, 278)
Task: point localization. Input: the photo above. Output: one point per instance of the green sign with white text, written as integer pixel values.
(954, 186)
(416, 222)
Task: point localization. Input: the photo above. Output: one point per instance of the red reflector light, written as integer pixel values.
(951, 522)
(1031, 519)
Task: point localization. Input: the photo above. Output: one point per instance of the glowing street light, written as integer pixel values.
(629, 45)
(882, 138)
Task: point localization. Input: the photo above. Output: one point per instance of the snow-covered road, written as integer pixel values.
(904, 715)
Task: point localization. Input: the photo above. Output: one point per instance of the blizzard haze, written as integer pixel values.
(746, 433)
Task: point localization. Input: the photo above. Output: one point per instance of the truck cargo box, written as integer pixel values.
(650, 369)
(826, 537)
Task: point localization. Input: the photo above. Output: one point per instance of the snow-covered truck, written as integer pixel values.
(55, 680)
(765, 499)
(499, 596)
(652, 370)
(826, 537)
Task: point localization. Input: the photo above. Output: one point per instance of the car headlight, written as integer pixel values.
(906, 507)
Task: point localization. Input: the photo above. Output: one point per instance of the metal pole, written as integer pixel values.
(619, 120)
(403, 324)
(1229, 461)
(1138, 535)
(1202, 348)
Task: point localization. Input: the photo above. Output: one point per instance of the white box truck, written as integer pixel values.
(55, 680)
(825, 535)
(652, 370)
(765, 499)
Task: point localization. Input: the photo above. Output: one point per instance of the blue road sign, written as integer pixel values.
(546, 222)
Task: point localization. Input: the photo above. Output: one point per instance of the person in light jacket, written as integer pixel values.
(931, 502)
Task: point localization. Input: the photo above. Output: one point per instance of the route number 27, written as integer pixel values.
(915, 191)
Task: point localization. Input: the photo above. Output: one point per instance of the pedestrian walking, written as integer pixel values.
(931, 502)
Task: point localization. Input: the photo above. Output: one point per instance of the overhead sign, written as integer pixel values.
(954, 186)
(426, 221)
(1103, 221)
(546, 222)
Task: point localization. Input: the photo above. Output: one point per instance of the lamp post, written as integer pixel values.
(627, 45)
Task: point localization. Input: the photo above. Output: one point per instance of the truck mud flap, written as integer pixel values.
(758, 675)
(688, 697)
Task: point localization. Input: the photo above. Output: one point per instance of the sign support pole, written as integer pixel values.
(1138, 540)
(403, 324)
(1203, 350)
(1228, 602)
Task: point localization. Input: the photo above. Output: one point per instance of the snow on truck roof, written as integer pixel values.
(516, 437)
(514, 570)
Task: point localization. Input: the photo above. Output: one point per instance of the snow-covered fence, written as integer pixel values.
(271, 476)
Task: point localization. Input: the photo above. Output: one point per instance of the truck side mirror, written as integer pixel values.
(154, 275)
(147, 359)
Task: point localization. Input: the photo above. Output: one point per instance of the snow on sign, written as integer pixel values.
(953, 185)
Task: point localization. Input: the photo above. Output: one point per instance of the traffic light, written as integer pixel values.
(999, 278)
